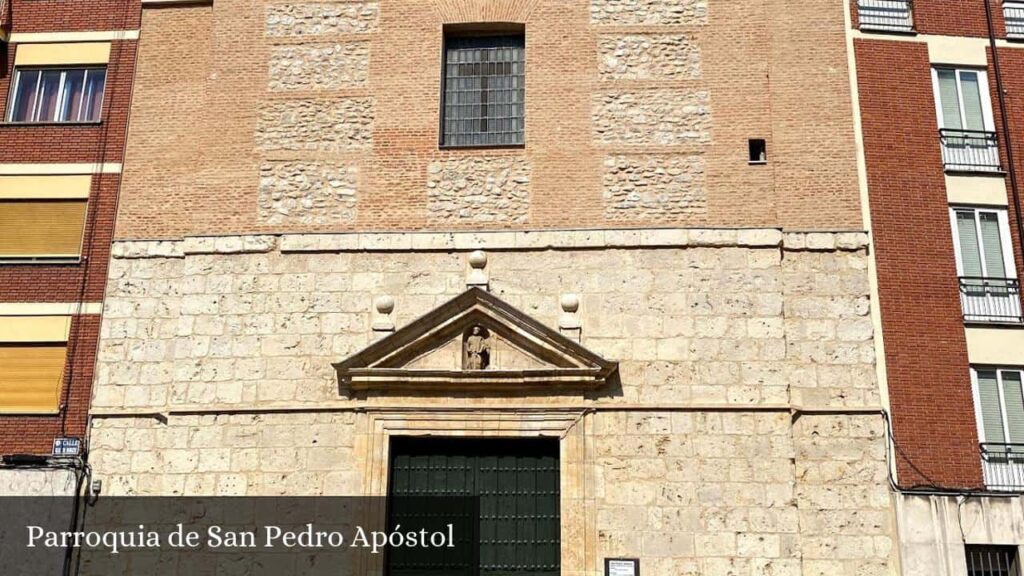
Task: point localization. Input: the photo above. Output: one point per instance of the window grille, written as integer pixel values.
(483, 91)
(992, 561)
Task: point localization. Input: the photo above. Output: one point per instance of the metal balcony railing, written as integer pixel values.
(990, 299)
(1003, 466)
(887, 15)
(1013, 15)
(969, 150)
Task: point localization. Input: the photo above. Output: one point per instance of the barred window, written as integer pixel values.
(992, 560)
(483, 91)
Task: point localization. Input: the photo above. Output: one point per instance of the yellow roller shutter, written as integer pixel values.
(34, 228)
(30, 377)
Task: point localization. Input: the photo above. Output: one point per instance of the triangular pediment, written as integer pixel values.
(474, 340)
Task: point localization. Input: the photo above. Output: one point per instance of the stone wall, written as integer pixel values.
(649, 57)
(307, 192)
(656, 12)
(653, 187)
(319, 66)
(315, 19)
(652, 117)
(316, 125)
(479, 189)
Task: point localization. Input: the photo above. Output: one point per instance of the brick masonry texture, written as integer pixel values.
(656, 12)
(656, 117)
(320, 125)
(320, 66)
(321, 19)
(649, 57)
(68, 282)
(307, 192)
(479, 189)
(223, 67)
(653, 187)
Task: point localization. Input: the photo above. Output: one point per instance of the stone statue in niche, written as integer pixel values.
(476, 349)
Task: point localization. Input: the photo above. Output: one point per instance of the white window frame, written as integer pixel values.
(1004, 239)
(976, 392)
(986, 101)
(12, 100)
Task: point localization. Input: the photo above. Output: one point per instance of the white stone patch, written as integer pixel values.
(479, 190)
(652, 117)
(648, 57)
(322, 18)
(648, 12)
(653, 187)
(319, 66)
(331, 125)
(307, 193)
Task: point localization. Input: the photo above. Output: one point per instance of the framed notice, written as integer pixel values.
(621, 567)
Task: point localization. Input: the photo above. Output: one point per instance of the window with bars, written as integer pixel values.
(484, 83)
(57, 95)
(983, 560)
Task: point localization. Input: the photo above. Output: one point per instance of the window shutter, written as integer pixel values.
(948, 99)
(1014, 399)
(31, 228)
(974, 117)
(31, 376)
(991, 412)
(994, 267)
(969, 250)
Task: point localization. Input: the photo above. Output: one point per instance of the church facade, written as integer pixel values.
(586, 238)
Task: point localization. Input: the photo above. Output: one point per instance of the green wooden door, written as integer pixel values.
(510, 491)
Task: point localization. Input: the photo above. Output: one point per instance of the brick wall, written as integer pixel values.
(89, 144)
(217, 111)
(926, 350)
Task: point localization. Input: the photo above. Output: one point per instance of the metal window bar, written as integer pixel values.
(888, 15)
(1013, 15)
(969, 150)
(990, 299)
(483, 91)
(1003, 466)
(987, 560)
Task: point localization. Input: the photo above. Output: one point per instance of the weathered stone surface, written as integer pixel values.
(331, 125)
(648, 57)
(479, 189)
(651, 12)
(307, 193)
(652, 117)
(318, 19)
(653, 187)
(319, 66)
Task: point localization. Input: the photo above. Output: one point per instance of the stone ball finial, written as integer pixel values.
(384, 304)
(570, 303)
(477, 259)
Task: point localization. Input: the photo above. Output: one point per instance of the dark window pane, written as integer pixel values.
(71, 102)
(93, 101)
(25, 96)
(48, 91)
(483, 95)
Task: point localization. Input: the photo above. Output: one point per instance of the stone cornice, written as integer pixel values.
(513, 240)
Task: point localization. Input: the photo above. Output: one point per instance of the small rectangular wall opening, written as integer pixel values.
(986, 560)
(758, 151)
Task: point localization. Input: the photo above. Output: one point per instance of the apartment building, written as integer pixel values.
(65, 80)
(941, 114)
(617, 245)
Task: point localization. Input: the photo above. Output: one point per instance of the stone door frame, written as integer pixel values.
(578, 517)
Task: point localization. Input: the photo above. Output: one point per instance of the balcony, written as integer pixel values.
(886, 15)
(969, 150)
(1003, 466)
(990, 299)
(1013, 15)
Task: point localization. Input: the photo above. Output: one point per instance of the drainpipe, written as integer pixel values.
(1001, 94)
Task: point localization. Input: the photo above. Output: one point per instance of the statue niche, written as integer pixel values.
(476, 348)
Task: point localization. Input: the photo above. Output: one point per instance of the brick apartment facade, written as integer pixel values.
(951, 323)
(59, 178)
